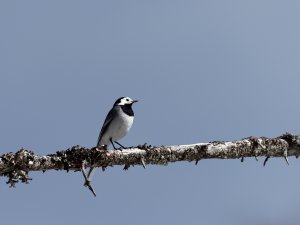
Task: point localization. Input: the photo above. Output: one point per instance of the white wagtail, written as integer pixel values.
(116, 125)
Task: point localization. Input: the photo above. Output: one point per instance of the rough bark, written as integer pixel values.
(16, 166)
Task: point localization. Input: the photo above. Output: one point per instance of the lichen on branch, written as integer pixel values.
(16, 166)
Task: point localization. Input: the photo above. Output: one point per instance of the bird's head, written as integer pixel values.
(125, 101)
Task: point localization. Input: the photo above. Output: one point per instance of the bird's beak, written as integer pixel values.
(134, 101)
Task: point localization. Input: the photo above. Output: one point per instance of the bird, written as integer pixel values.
(116, 125)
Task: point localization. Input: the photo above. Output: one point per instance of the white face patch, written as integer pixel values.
(125, 100)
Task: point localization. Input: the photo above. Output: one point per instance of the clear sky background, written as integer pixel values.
(202, 70)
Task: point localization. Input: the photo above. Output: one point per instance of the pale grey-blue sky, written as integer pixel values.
(202, 70)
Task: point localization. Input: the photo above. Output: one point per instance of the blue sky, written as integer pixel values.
(202, 70)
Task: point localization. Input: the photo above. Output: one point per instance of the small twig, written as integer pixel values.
(126, 167)
(287, 160)
(285, 155)
(256, 154)
(267, 158)
(87, 182)
(143, 162)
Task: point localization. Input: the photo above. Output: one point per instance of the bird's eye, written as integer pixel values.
(127, 99)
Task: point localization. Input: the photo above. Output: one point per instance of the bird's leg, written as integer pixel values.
(112, 144)
(119, 144)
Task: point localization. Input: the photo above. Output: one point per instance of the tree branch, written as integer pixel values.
(16, 166)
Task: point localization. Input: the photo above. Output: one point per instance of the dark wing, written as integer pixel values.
(111, 114)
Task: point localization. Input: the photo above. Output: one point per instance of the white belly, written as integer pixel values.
(118, 128)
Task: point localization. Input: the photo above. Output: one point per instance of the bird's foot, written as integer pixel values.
(121, 146)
